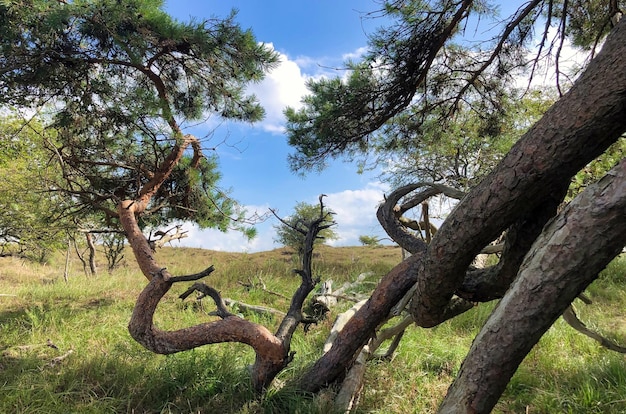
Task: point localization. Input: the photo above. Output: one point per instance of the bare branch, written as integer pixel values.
(206, 290)
(572, 320)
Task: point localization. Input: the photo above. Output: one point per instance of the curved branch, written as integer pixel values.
(434, 189)
(389, 213)
(572, 320)
(388, 219)
(271, 356)
(222, 310)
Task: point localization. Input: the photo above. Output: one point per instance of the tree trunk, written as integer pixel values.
(360, 328)
(92, 254)
(564, 260)
(66, 269)
(575, 130)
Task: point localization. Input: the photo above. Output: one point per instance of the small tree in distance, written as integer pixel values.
(289, 232)
(369, 240)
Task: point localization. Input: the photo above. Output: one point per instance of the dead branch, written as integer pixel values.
(205, 290)
(572, 320)
(334, 295)
(190, 278)
(262, 310)
(294, 315)
(166, 236)
(351, 387)
(60, 358)
(348, 396)
(388, 333)
(261, 286)
(340, 323)
(492, 249)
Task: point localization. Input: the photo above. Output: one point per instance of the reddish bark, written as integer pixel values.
(334, 363)
(271, 356)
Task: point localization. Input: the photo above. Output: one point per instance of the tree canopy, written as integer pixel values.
(31, 224)
(435, 85)
(119, 81)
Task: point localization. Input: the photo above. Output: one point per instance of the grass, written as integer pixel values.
(107, 372)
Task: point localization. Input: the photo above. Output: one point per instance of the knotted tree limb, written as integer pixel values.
(389, 218)
(270, 353)
(261, 310)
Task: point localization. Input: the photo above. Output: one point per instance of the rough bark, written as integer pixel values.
(574, 131)
(335, 363)
(522, 190)
(129, 209)
(560, 265)
(271, 356)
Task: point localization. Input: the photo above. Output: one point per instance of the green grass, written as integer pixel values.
(107, 372)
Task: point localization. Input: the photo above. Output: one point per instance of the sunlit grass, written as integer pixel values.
(107, 372)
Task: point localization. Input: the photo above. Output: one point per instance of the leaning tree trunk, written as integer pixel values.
(575, 130)
(584, 237)
(520, 193)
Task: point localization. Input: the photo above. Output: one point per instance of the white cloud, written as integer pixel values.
(571, 60)
(355, 216)
(357, 54)
(285, 85)
(356, 213)
(231, 241)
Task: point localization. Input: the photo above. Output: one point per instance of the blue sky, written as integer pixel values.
(312, 38)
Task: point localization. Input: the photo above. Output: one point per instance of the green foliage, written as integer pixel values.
(464, 151)
(430, 102)
(590, 21)
(292, 232)
(369, 240)
(117, 80)
(341, 115)
(31, 222)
